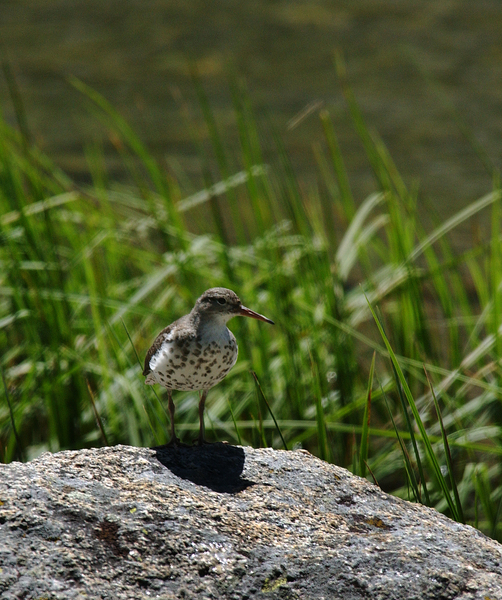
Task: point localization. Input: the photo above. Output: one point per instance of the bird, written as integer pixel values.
(197, 351)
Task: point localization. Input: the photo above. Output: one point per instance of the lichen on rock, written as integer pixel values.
(221, 521)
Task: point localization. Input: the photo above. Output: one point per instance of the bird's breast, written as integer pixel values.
(193, 363)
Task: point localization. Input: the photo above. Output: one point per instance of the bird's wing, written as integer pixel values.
(155, 346)
(180, 324)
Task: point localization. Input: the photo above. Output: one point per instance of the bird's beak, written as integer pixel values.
(247, 312)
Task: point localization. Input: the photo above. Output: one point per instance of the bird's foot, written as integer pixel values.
(202, 442)
(175, 442)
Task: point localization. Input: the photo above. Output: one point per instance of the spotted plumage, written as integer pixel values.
(198, 350)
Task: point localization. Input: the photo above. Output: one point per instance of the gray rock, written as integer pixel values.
(225, 522)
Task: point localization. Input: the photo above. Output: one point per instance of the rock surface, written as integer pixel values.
(225, 522)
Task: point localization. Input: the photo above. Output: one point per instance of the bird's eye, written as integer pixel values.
(221, 301)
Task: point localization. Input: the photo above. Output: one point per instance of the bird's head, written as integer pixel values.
(223, 304)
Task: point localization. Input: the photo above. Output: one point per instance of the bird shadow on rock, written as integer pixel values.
(216, 466)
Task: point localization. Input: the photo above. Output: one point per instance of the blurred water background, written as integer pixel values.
(422, 72)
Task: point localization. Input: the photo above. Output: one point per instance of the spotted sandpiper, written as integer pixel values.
(198, 350)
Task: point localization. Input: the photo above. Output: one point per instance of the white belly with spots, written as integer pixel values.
(190, 364)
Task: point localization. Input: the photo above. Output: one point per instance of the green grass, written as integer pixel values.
(364, 300)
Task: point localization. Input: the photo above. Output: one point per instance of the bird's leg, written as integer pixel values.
(174, 441)
(202, 402)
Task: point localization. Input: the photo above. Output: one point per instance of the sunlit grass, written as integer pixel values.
(362, 296)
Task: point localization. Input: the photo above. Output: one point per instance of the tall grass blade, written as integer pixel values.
(19, 449)
(322, 436)
(360, 125)
(457, 219)
(269, 410)
(363, 451)
(482, 486)
(96, 415)
(418, 459)
(347, 251)
(162, 424)
(412, 480)
(346, 198)
(16, 98)
(236, 428)
(446, 445)
(138, 359)
(425, 438)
